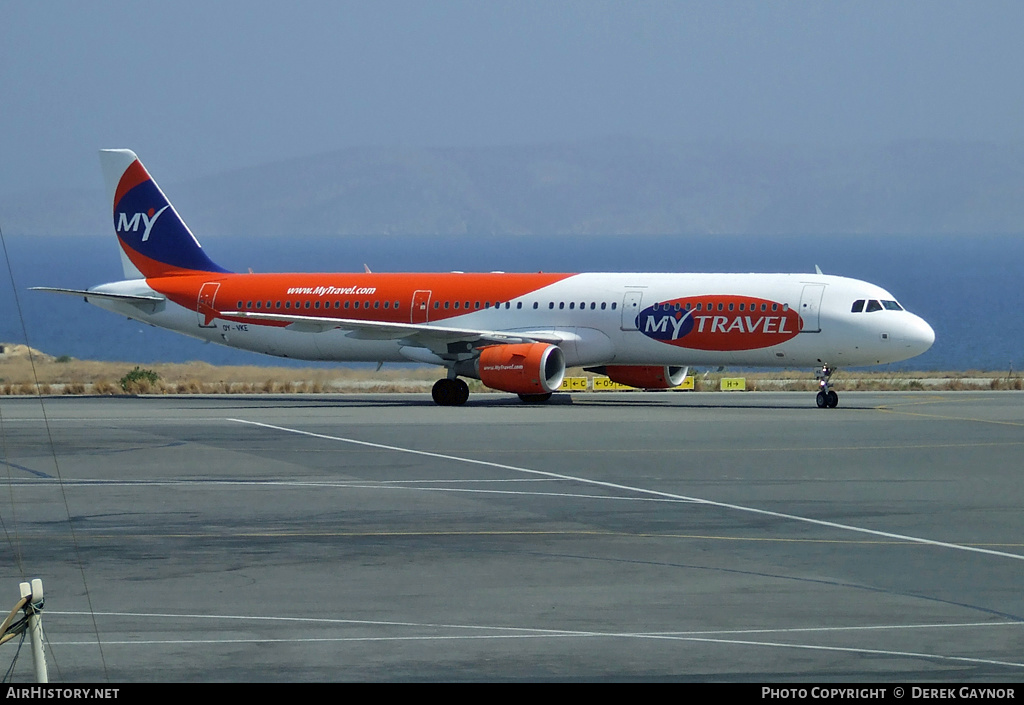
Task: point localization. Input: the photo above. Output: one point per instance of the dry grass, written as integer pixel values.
(69, 376)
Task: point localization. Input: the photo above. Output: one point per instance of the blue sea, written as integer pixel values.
(968, 288)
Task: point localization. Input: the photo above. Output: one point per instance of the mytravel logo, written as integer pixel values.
(147, 219)
(510, 367)
(720, 322)
(331, 290)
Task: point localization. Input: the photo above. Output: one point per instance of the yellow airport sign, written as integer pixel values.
(603, 384)
(573, 384)
(734, 384)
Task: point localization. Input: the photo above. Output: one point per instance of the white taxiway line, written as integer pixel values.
(637, 490)
(499, 632)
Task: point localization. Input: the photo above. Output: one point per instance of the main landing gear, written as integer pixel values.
(450, 392)
(455, 392)
(827, 398)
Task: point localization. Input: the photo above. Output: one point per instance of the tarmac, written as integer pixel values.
(732, 537)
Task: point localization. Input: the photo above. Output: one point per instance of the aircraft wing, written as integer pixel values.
(436, 338)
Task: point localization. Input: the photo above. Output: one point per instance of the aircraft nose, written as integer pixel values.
(918, 335)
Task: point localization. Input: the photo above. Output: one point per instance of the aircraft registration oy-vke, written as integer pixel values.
(514, 332)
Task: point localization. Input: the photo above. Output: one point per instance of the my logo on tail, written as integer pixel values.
(148, 218)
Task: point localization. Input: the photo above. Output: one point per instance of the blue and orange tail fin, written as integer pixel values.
(155, 242)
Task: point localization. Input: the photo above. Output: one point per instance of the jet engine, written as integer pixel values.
(647, 376)
(523, 368)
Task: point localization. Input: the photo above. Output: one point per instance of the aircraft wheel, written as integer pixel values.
(461, 392)
(443, 392)
(450, 392)
(822, 400)
(832, 399)
(535, 398)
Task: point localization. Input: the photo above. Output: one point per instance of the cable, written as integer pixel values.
(56, 464)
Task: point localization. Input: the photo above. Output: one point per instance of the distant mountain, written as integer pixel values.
(612, 186)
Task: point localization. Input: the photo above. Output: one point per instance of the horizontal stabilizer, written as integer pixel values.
(143, 302)
(128, 298)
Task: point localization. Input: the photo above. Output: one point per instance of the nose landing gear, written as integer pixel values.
(827, 398)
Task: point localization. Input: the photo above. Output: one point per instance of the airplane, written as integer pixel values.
(515, 332)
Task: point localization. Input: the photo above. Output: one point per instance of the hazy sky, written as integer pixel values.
(200, 87)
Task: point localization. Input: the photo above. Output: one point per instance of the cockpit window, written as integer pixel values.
(873, 305)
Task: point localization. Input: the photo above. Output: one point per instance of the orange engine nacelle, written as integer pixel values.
(524, 368)
(647, 376)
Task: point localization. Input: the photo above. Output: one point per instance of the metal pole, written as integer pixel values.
(33, 609)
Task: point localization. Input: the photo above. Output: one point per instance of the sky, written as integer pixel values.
(197, 88)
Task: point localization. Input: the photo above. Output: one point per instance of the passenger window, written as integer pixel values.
(858, 306)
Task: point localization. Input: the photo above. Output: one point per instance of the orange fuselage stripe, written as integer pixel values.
(478, 290)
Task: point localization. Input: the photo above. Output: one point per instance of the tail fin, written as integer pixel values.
(155, 242)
